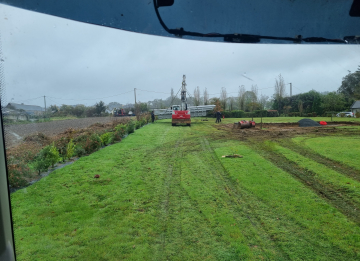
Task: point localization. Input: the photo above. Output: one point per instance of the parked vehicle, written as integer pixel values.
(345, 114)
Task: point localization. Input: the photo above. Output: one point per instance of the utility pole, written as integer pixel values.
(290, 90)
(45, 107)
(135, 95)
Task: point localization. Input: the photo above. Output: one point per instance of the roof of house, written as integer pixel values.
(26, 107)
(356, 105)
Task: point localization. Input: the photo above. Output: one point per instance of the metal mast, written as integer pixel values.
(183, 94)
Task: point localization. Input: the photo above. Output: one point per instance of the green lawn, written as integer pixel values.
(166, 193)
(285, 119)
(343, 149)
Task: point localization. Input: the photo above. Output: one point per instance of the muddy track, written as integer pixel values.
(332, 194)
(329, 163)
(170, 203)
(242, 208)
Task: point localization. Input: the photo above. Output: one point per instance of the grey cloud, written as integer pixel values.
(45, 55)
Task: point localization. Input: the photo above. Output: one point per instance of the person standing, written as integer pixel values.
(152, 116)
(218, 115)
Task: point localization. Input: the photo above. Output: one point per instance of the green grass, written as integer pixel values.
(342, 149)
(63, 118)
(285, 119)
(325, 174)
(165, 193)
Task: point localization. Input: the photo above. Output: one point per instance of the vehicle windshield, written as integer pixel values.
(100, 169)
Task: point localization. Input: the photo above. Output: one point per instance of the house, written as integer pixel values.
(28, 109)
(355, 107)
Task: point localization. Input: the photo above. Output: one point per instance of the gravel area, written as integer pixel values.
(16, 132)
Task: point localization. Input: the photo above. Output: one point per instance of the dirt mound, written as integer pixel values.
(37, 137)
(308, 123)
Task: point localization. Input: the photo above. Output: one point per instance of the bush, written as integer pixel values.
(79, 151)
(105, 138)
(17, 172)
(120, 130)
(93, 143)
(70, 149)
(130, 127)
(357, 114)
(272, 113)
(61, 146)
(137, 125)
(47, 157)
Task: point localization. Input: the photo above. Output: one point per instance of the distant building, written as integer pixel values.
(355, 107)
(28, 109)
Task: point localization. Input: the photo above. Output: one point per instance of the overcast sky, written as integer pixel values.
(76, 63)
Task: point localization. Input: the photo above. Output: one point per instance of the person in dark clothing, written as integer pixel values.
(218, 117)
(152, 116)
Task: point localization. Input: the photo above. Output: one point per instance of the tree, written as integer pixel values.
(333, 102)
(79, 110)
(300, 107)
(197, 96)
(231, 103)
(254, 98)
(223, 97)
(66, 110)
(350, 85)
(241, 97)
(279, 90)
(287, 109)
(263, 101)
(53, 109)
(249, 104)
(113, 105)
(217, 103)
(100, 107)
(206, 97)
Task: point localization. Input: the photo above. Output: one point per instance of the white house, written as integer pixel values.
(355, 107)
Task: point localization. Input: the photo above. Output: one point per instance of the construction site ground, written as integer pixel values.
(15, 133)
(167, 193)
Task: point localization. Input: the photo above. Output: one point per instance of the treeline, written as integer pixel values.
(97, 110)
(313, 103)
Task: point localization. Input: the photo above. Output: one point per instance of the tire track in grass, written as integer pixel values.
(309, 153)
(307, 177)
(165, 201)
(241, 210)
(289, 211)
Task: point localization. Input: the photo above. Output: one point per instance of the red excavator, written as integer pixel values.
(181, 113)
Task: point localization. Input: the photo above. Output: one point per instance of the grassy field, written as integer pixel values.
(166, 193)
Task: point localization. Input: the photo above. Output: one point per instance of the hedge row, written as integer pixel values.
(242, 114)
(20, 169)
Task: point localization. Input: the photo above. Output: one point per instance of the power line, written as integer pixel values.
(30, 99)
(152, 91)
(91, 98)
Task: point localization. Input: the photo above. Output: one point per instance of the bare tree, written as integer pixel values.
(223, 97)
(279, 87)
(241, 97)
(231, 103)
(262, 101)
(254, 100)
(197, 96)
(206, 97)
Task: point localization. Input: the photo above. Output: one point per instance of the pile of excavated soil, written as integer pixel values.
(308, 123)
